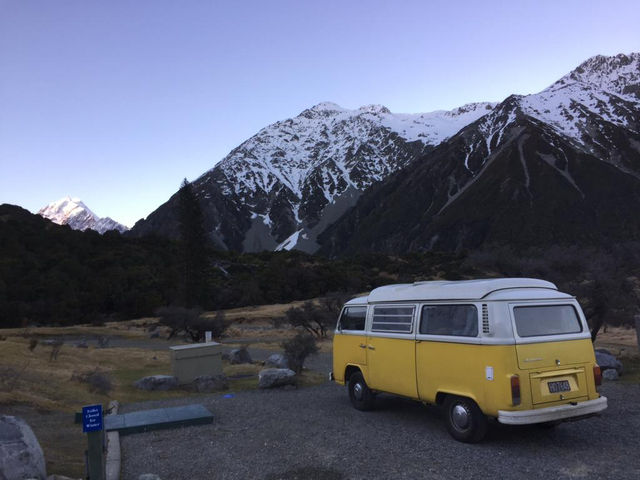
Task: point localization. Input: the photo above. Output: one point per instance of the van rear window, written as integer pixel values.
(353, 318)
(546, 320)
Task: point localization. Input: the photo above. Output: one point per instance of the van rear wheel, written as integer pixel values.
(465, 421)
(359, 394)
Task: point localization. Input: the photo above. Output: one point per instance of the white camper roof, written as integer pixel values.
(455, 290)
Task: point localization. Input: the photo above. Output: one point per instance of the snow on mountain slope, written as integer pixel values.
(73, 212)
(559, 166)
(288, 151)
(302, 173)
(602, 90)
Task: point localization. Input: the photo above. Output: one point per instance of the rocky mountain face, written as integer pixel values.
(289, 182)
(72, 212)
(559, 166)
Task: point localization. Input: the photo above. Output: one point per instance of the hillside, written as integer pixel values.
(285, 185)
(558, 167)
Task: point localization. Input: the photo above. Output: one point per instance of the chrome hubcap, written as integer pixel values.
(357, 391)
(460, 417)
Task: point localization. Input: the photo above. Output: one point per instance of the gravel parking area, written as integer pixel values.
(314, 433)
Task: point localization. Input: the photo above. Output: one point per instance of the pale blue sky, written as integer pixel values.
(116, 101)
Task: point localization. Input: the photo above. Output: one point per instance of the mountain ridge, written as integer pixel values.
(520, 176)
(299, 182)
(299, 174)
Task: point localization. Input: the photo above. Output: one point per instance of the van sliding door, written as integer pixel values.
(391, 352)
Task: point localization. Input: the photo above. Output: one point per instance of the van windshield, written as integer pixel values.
(546, 320)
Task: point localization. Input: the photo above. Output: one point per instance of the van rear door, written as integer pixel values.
(552, 347)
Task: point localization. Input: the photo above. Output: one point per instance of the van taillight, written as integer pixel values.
(515, 389)
(597, 375)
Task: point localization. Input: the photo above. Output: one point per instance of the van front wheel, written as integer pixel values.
(465, 421)
(359, 394)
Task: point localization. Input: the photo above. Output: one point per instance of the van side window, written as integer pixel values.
(353, 318)
(392, 319)
(457, 320)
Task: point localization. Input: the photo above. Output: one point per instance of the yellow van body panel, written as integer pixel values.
(348, 350)
(466, 369)
(421, 369)
(391, 363)
(480, 372)
(571, 361)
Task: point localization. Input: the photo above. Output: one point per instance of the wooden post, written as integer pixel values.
(96, 455)
(93, 426)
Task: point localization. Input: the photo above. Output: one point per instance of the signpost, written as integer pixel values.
(92, 425)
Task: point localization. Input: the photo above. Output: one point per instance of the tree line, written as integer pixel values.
(52, 275)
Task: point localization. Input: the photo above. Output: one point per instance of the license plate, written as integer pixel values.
(560, 386)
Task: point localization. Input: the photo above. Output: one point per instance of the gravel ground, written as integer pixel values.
(314, 433)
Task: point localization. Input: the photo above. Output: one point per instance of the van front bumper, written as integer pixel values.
(550, 414)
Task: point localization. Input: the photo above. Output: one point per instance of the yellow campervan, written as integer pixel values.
(515, 349)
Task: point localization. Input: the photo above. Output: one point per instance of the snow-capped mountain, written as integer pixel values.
(295, 177)
(73, 212)
(559, 166)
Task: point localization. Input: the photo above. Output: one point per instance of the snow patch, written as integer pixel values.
(290, 242)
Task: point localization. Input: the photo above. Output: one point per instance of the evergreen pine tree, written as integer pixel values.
(193, 243)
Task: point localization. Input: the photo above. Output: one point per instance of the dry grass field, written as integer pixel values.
(47, 392)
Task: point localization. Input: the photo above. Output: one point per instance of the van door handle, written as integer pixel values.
(362, 345)
(371, 347)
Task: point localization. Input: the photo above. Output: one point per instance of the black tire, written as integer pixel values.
(465, 421)
(361, 397)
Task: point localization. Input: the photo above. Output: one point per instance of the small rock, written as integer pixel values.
(210, 383)
(610, 374)
(277, 360)
(239, 355)
(607, 361)
(157, 382)
(58, 477)
(20, 453)
(154, 334)
(82, 344)
(149, 476)
(276, 377)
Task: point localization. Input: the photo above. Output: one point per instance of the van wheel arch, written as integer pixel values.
(350, 370)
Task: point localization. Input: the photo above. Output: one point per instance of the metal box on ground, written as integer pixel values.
(191, 361)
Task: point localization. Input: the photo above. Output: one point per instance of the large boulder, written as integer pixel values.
(239, 355)
(210, 383)
(157, 382)
(607, 361)
(277, 360)
(276, 377)
(20, 453)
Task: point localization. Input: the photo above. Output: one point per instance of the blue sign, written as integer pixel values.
(91, 418)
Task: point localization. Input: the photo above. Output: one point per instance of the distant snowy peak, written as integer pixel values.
(73, 212)
(601, 91)
(619, 74)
